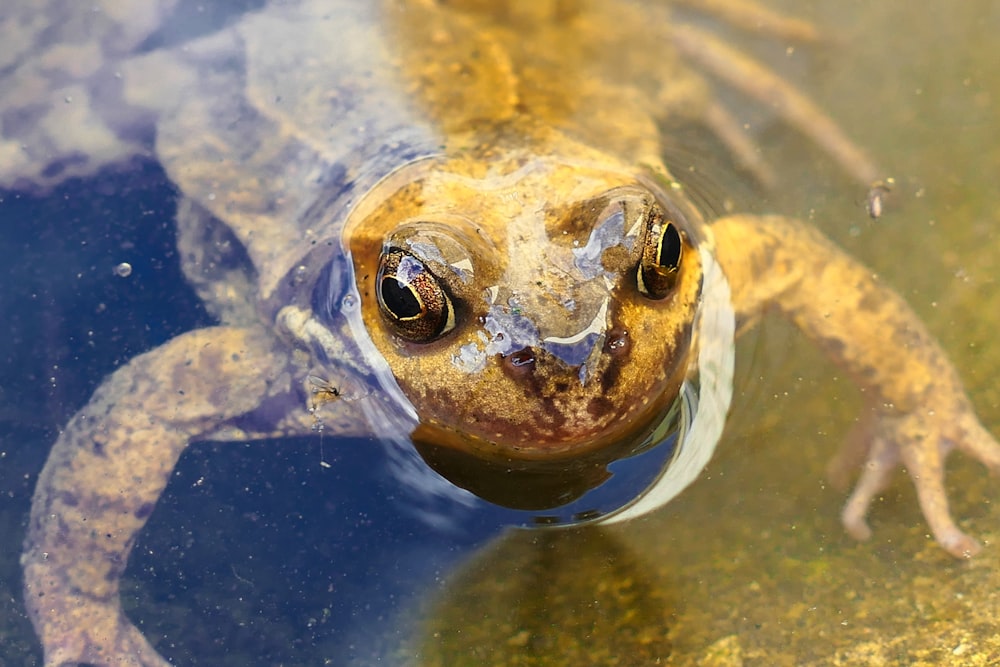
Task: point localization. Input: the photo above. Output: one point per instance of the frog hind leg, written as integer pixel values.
(918, 411)
(756, 18)
(757, 81)
(106, 472)
(727, 128)
(215, 264)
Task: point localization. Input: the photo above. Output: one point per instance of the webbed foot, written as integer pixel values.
(920, 441)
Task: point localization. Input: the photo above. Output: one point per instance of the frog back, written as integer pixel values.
(278, 126)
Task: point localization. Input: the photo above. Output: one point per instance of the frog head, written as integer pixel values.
(535, 307)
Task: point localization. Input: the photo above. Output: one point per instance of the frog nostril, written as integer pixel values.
(520, 363)
(617, 342)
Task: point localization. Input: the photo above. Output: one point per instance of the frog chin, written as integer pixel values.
(534, 476)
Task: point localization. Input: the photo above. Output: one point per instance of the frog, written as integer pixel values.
(450, 225)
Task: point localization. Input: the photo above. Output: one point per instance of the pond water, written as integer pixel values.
(257, 554)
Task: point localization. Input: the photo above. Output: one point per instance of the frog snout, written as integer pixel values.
(583, 348)
(556, 361)
(568, 362)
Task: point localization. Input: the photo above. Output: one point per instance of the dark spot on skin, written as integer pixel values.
(599, 406)
(872, 301)
(610, 375)
(835, 348)
(98, 447)
(868, 375)
(617, 346)
(235, 357)
(270, 413)
(553, 416)
(144, 511)
(69, 499)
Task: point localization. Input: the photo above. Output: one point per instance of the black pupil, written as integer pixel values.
(670, 248)
(399, 298)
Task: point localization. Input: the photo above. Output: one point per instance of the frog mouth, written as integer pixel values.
(498, 475)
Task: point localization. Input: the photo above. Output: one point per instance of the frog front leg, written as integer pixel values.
(106, 472)
(916, 408)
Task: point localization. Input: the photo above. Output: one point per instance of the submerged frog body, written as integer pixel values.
(458, 214)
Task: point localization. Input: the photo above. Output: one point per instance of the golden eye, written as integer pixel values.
(662, 249)
(411, 299)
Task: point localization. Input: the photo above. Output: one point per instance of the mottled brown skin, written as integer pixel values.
(268, 150)
(519, 229)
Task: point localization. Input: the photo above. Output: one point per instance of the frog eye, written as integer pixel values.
(411, 299)
(662, 248)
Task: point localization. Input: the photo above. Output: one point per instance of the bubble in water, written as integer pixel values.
(123, 270)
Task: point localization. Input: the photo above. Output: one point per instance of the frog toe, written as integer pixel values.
(78, 630)
(979, 443)
(875, 475)
(923, 455)
(959, 544)
(853, 453)
(126, 646)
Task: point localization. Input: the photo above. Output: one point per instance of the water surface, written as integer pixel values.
(258, 555)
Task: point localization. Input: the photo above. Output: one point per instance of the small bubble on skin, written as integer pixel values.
(300, 274)
(123, 270)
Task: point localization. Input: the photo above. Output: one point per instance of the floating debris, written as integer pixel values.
(875, 201)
